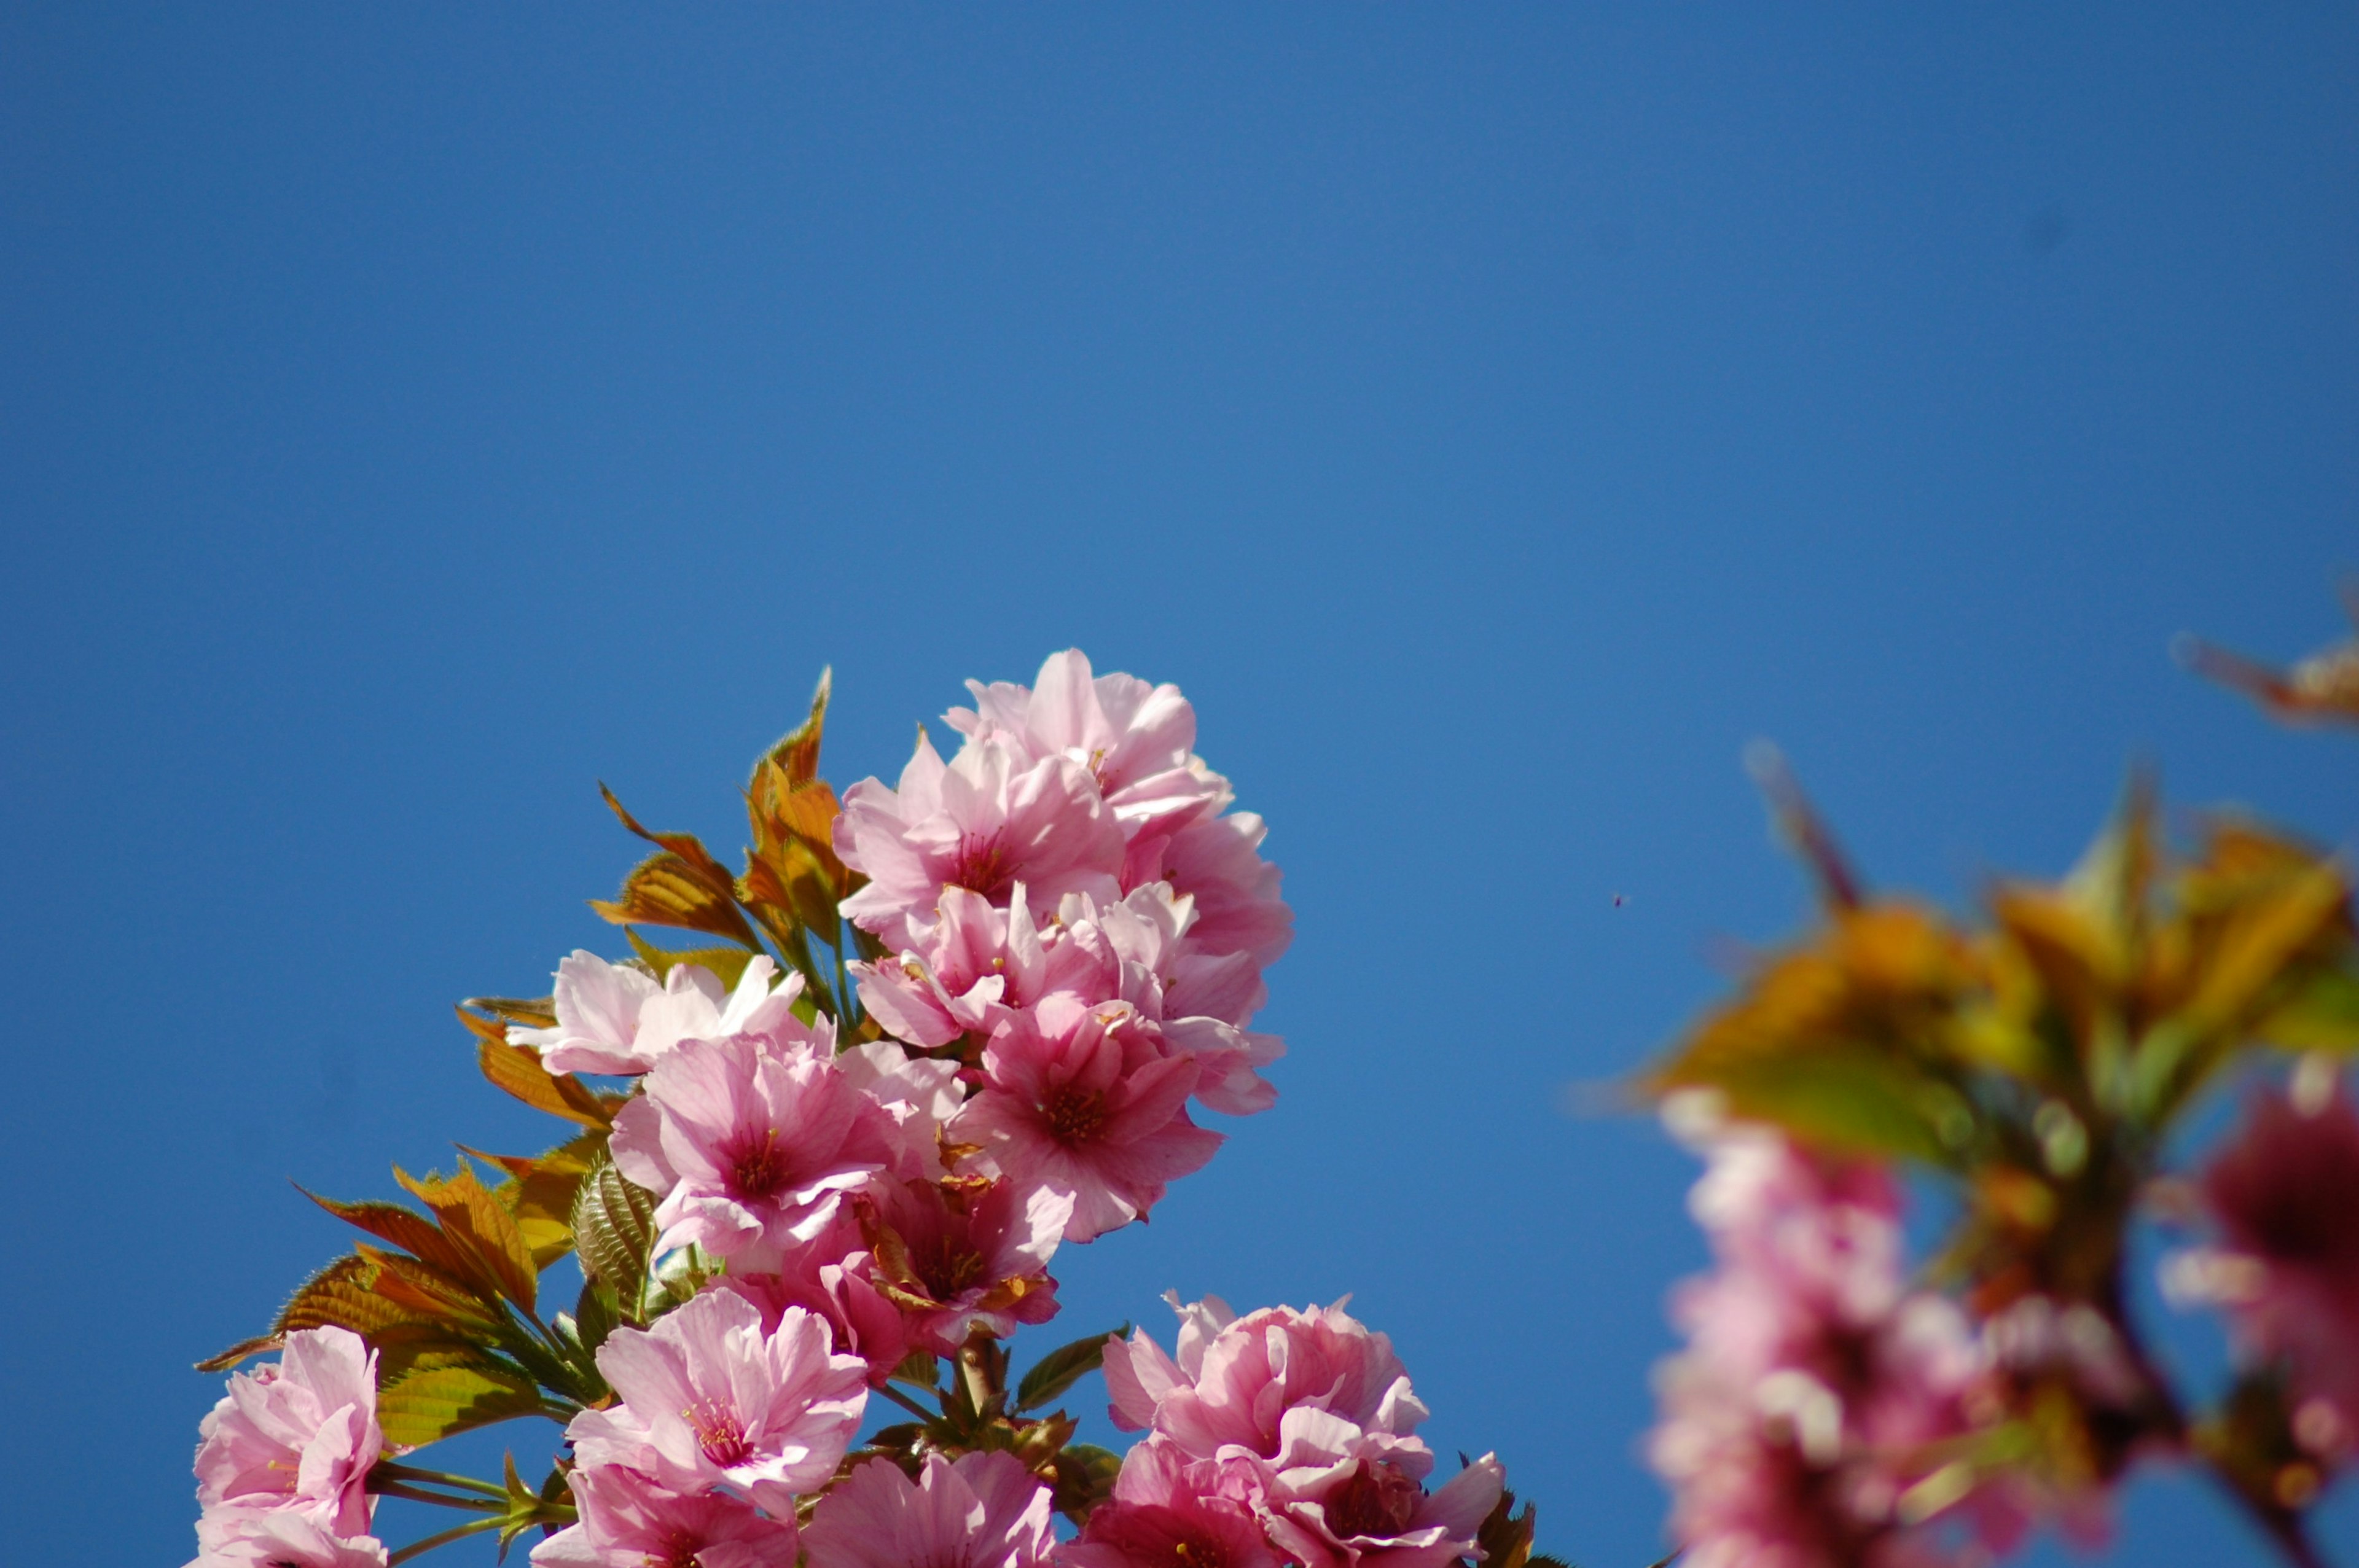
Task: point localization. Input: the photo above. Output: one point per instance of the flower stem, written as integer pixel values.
(460, 1532)
(440, 1500)
(391, 1470)
(906, 1403)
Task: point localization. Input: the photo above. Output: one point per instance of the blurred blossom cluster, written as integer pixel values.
(824, 1161)
(940, 1030)
(1837, 1405)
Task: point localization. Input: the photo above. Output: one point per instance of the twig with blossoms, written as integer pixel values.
(938, 1033)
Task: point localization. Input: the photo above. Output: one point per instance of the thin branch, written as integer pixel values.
(420, 1547)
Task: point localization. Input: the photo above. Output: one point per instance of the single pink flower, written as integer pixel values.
(833, 1277)
(1234, 1377)
(918, 1095)
(2287, 1265)
(1169, 1511)
(708, 1398)
(282, 1537)
(1089, 1101)
(751, 1147)
(955, 1259)
(299, 1432)
(1338, 1496)
(1137, 740)
(629, 1520)
(978, 964)
(1216, 862)
(615, 1018)
(986, 821)
(981, 1510)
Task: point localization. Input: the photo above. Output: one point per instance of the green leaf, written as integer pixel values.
(1855, 1098)
(432, 1404)
(595, 1315)
(614, 1232)
(1061, 1370)
(727, 964)
(1085, 1477)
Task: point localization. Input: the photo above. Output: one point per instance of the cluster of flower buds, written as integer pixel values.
(788, 1205)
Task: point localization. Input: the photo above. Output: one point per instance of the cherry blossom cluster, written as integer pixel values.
(1277, 1437)
(1795, 1423)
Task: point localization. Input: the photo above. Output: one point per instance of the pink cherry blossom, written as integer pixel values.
(615, 1018)
(299, 1432)
(1137, 740)
(957, 1260)
(2286, 1264)
(981, 1510)
(1090, 1101)
(282, 1538)
(918, 1095)
(1815, 1386)
(1216, 862)
(1171, 1511)
(980, 963)
(752, 1148)
(629, 1520)
(1338, 1496)
(709, 1397)
(1234, 1377)
(833, 1277)
(985, 821)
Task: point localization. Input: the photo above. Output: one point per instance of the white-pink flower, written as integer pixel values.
(986, 821)
(1137, 740)
(833, 1277)
(1090, 1101)
(629, 1520)
(615, 1018)
(981, 1511)
(299, 1432)
(1337, 1496)
(284, 1537)
(709, 1397)
(1235, 1378)
(751, 1147)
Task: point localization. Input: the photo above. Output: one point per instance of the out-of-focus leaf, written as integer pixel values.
(2323, 1014)
(432, 1404)
(483, 1229)
(727, 964)
(682, 886)
(614, 1232)
(1805, 833)
(2262, 940)
(1084, 1478)
(1061, 1370)
(2321, 689)
(517, 1069)
(1852, 1097)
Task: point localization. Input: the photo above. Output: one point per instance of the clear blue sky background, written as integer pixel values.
(1492, 416)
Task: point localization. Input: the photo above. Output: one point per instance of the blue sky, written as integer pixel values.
(1494, 417)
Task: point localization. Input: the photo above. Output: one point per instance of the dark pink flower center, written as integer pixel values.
(718, 1433)
(1074, 1116)
(757, 1166)
(680, 1550)
(948, 1266)
(980, 866)
(1376, 1501)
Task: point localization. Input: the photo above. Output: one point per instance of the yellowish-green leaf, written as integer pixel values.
(436, 1402)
